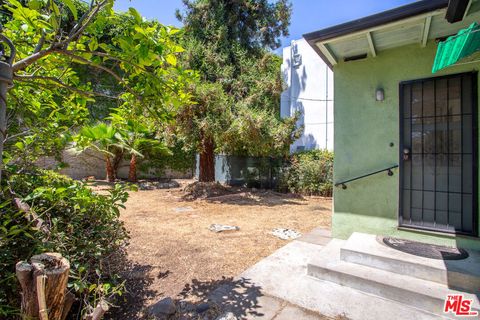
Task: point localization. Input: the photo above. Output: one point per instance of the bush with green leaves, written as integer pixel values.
(180, 159)
(77, 222)
(310, 173)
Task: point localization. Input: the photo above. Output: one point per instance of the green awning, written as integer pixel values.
(457, 47)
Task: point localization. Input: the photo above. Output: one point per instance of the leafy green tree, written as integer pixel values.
(203, 123)
(228, 43)
(54, 39)
(260, 133)
(60, 44)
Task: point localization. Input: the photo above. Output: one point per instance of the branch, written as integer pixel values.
(75, 33)
(31, 78)
(41, 42)
(103, 68)
(106, 55)
(79, 28)
(112, 73)
(24, 63)
(13, 136)
(82, 18)
(100, 310)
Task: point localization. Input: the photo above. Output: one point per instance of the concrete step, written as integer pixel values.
(365, 249)
(417, 293)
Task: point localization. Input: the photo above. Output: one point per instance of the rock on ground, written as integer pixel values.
(221, 227)
(202, 307)
(163, 307)
(286, 234)
(152, 185)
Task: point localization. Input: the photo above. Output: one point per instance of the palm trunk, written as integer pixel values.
(207, 161)
(117, 159)
(110, 171)
(132, 172)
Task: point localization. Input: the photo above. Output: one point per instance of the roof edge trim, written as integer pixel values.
(375, 20)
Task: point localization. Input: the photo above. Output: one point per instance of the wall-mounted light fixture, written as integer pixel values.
(379, 94)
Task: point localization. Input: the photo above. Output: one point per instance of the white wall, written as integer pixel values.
(309, 90)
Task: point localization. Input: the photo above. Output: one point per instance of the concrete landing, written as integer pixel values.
(364, 249)
(259, 306)
(320, 236)
(282, 278)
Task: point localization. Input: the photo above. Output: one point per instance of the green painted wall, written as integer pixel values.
(364, 129)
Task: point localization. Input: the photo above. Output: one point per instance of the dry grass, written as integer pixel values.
(170, 250)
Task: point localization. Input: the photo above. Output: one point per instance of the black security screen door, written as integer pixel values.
(438, 154)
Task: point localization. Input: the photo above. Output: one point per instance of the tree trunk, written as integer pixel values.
(110, 171)
(97, 314)
(3, 121)
(132, 172)
(207, 161)
(5, 82)
(117, 159)
(44, 287)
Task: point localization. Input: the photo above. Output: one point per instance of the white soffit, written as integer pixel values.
(418, 29)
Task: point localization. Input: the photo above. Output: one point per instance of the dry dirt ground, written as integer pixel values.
(174, 254)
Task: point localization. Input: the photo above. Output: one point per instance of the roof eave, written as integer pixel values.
(400, 13)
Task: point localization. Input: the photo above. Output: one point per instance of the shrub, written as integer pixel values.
(77, 222)
(158, 161)
(309, 172)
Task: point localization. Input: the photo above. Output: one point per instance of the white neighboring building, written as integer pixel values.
(308, 93)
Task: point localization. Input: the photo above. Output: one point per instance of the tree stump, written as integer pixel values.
(99, 311)
(44, 287)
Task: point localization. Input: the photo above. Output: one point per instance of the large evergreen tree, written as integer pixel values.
(228, 42)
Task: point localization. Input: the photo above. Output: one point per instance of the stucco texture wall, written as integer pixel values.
(91, 163)
(364, 129)
(309, 90)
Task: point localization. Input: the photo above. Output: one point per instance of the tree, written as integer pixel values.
(257, 129)
(228, 43)
(202, 124)
(137, 137)
(60, 44)
(53, 40)
(102, 138)
(252, 24)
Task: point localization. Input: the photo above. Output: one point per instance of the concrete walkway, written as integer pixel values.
(248, 300)
(278, 287)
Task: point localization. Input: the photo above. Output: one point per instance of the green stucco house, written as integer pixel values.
(406, 139)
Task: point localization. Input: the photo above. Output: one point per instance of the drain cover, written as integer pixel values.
(425, 250)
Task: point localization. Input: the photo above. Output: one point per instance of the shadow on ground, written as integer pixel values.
(132, 305)
(260, 198)
(239, 296)
(223, 295)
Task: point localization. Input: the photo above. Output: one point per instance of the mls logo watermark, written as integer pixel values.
(459, 306)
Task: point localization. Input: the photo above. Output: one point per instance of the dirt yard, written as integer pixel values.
(174, 254)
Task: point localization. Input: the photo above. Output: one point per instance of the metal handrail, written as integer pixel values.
(343, 183)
